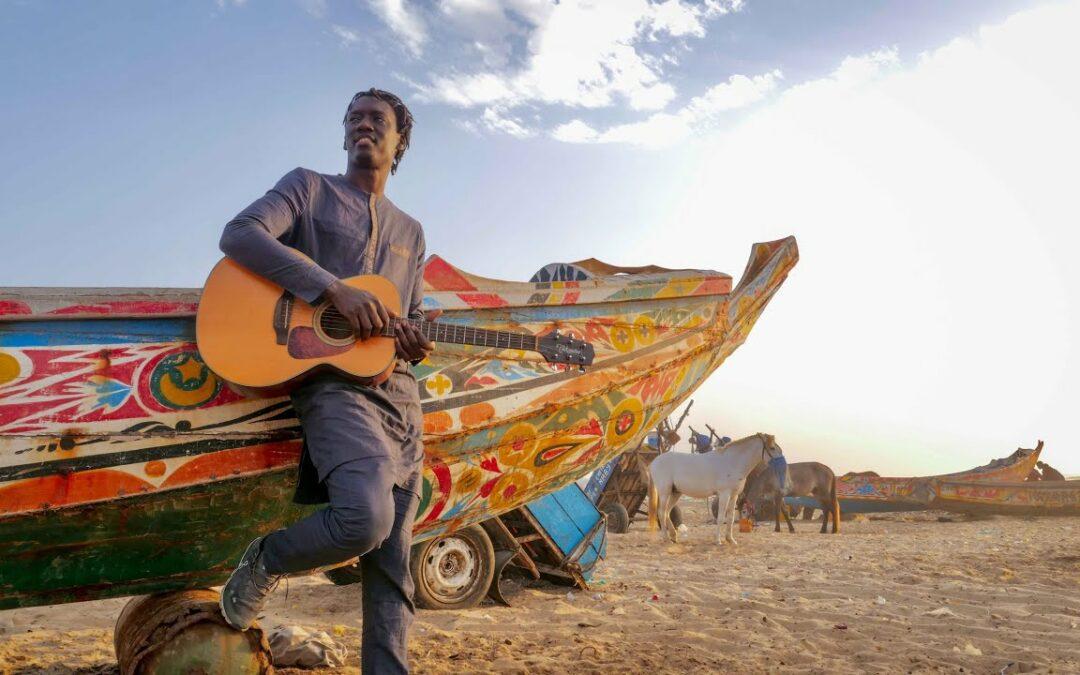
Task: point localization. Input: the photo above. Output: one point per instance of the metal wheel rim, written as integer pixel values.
(451, 568)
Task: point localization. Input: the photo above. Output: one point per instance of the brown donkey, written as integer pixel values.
(805, 479)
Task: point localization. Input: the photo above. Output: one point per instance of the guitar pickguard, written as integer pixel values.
(305, 344)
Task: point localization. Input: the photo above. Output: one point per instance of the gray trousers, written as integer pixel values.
(369, 516)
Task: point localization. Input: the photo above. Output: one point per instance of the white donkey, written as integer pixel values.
(720, 471)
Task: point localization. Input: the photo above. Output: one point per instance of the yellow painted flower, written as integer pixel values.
(625, 421)
(509, 491)
(468, 482)
(518, 445)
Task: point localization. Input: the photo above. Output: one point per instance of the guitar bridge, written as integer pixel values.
(282, 317)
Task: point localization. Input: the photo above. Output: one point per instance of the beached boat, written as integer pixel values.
(1034, 498)
(128, 467)
(867, 492)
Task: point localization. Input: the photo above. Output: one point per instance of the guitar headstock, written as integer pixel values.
(566, 349)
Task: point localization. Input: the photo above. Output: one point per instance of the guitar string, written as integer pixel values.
(433, 326)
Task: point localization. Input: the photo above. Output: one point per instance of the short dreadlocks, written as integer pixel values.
(401, 114)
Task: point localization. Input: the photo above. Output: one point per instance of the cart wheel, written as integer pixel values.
(345, 576)
(618, 520)
(453, 571)
(676, 516)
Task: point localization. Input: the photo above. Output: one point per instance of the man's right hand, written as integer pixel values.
(365, 313)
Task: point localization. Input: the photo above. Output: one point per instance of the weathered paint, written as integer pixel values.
(1056, 498)
(869, 493)
(184, 632)
(115, 423)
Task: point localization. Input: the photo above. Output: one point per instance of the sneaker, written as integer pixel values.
(248, 587)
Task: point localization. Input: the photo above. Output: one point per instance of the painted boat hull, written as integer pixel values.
(1037, 498)
(868, 493)
(127, 466)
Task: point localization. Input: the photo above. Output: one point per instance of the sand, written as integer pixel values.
(903, 593)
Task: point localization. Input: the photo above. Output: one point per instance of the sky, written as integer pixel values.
(923, 153)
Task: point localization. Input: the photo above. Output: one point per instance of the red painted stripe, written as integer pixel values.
(442, 276)
(14, 307)
(713, 286)
(128, 307)
(483, 300)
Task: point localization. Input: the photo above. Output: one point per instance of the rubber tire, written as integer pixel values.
(344, 576)
(618, 520)
(676, 516)
(479, 543)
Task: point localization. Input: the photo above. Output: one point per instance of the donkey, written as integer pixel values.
(804, 479)
(720, 471)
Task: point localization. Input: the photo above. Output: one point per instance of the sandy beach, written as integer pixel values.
(895, 593)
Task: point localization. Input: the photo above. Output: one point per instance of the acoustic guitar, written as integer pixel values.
(253, 333)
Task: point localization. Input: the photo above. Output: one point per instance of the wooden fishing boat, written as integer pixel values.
(869, 493)
(1035, 498)
(128, 467)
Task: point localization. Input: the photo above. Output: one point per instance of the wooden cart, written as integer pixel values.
(619, 488)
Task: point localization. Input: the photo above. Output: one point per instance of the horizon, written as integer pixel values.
(920, 155)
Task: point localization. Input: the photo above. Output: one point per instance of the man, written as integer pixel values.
(362, 444)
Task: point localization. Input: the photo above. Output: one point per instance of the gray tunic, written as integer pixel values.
(329, 221)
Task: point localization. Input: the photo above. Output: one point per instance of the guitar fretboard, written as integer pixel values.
(456, 334)
(467, 335)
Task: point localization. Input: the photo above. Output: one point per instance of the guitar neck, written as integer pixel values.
(467, 335)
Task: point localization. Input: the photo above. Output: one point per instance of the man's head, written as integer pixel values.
(378, 127)
(1041, 465)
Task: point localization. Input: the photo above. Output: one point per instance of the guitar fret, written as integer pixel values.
(467, 335)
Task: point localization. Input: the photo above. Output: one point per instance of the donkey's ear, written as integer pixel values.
(770, 440)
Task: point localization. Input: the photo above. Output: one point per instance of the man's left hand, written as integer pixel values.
(411, 343)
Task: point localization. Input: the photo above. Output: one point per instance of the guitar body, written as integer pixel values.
(241, 342)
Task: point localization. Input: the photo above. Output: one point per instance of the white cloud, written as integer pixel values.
(856, 70)
(663, 128)
(346, 35)
(496, 118)
(575, 131)
(579, 53)
(404, 22)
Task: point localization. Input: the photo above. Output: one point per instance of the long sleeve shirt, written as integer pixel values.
(309, 230)
(312, 229)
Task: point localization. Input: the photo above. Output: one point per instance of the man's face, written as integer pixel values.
(371, 136)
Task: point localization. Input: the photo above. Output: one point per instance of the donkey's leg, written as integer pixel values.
(721, 514)
(777, 500)
(825, 509)
(672, 501)
(782, 508)
(662, 515)
(734, 497)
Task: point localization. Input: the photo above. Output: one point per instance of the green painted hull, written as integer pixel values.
(184, 538)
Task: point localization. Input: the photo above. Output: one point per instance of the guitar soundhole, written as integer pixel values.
(331, 327)
(336, 332)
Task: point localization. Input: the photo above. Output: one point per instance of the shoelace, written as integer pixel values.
(274, 579)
